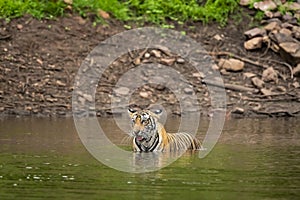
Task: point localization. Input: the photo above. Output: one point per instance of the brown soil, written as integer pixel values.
(39, 60)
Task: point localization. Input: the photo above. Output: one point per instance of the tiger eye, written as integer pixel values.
(145, 122)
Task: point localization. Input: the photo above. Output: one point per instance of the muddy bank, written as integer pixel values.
(39, 60)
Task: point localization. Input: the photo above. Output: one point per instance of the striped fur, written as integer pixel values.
(149, 135)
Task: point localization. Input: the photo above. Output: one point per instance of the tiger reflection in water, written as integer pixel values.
(150, 136)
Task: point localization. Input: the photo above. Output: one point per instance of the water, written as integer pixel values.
(253, 159)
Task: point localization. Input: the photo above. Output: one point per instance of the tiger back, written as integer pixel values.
(150, 135)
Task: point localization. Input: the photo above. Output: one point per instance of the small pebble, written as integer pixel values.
(188, 90)
(19, 26)
(180, 60)
(238, 110)
(144, 94)
(147, 55)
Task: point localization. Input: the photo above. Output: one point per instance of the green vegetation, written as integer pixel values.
(158, 11)
(117, 9)
(54, 8)
(39, 9)
(259, 15)
(154, 11)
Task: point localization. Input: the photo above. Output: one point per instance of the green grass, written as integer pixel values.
(39, 9)
(55, 8)
(117, 9)
(158, 11)
(153, 11)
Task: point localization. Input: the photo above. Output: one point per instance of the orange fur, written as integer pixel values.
(157, 139)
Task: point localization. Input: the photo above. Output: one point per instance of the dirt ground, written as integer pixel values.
(39, 60)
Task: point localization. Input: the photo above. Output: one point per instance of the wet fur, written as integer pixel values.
(149, 135)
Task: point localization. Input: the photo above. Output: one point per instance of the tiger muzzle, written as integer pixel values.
(139, 135)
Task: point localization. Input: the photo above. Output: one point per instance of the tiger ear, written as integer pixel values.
(131, 112)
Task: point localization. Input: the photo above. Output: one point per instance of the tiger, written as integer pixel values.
(149, 135)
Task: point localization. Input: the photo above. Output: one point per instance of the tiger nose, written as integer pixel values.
(137, 132)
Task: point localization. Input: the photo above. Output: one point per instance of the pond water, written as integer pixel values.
(44, 158)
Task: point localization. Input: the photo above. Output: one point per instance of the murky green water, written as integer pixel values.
(254, 159)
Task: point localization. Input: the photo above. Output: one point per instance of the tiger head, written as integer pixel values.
(144, 124)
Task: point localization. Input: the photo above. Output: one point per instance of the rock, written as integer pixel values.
(19, 26)
(270, 74)
(254, 43)
(70, 2)
(69, 7)
(88, 97)
(274, 25)
(218, 37)
(255, 32)
(80, 20)
(39, 61)
(224, 72)
(258, 82)
(288, 17)
(266, 39)
(156, 53)
(286, 32)
(137, 61)
(296, 32)
(103, 14)
(60, 83)
(122, 91)
(147, 55)
(280, 89)
(28, 108)
(266, 92)
(188, 90)
(231, 64)
(290, 51)
(198, 75)
(180, 60)
(144, 94)
(296, 84)
(238, 110)
(293, 6)
(287, 25)
(167, 61)
(290, 47)
(51, 100)
(296, 70)
(79, 93)
(269, 14)
(245, 2)
(277, 14)
(215, 67)
(249, 75)
(280, 38)
(265, 5)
